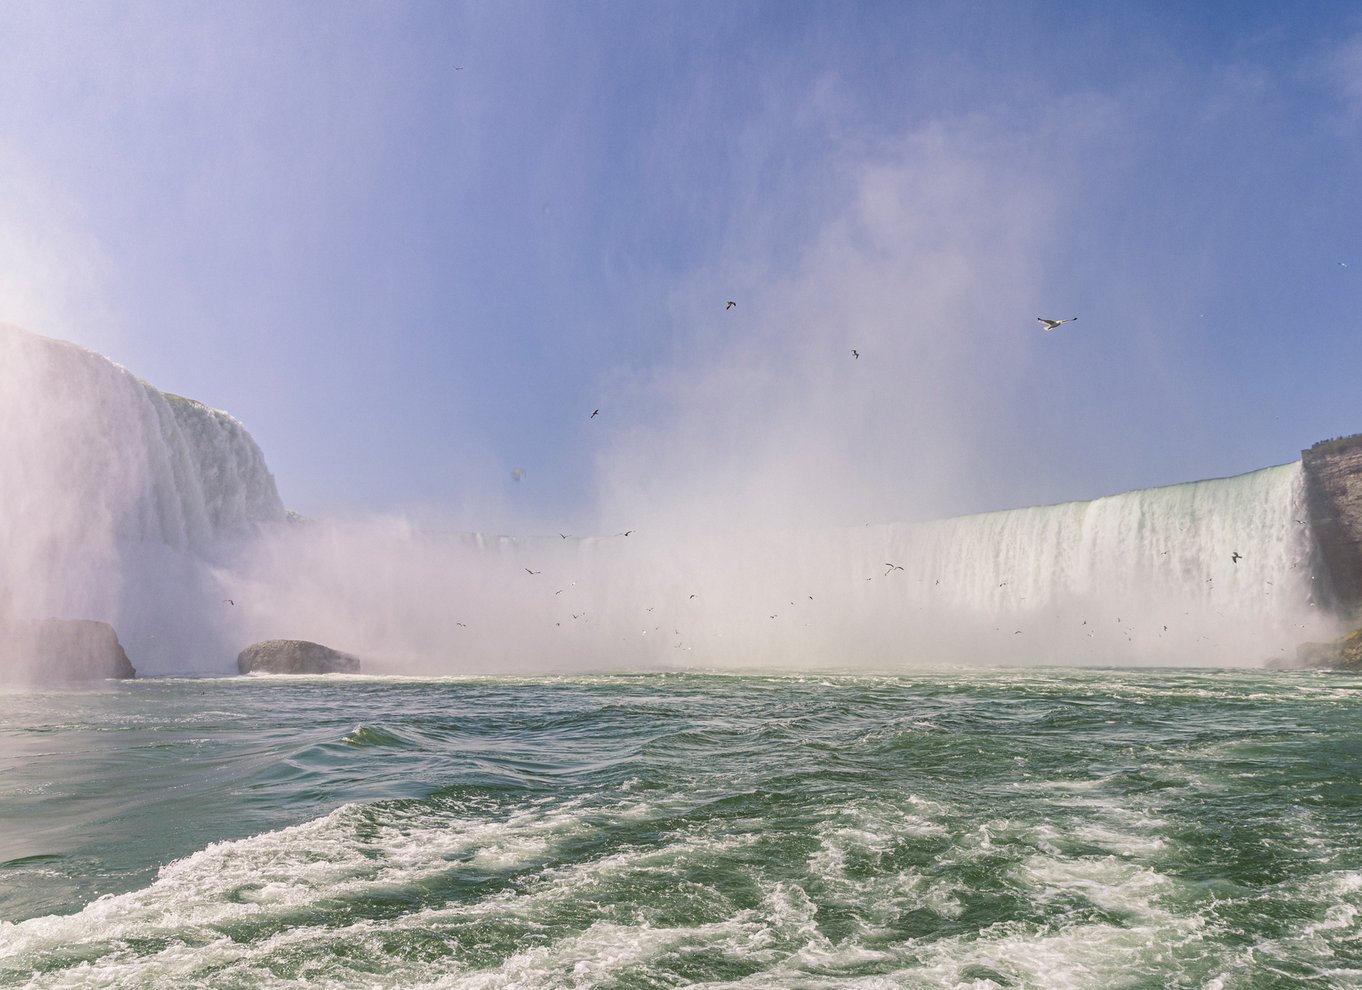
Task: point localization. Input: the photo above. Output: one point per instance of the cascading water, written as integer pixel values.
(113, 494)
(122, 503)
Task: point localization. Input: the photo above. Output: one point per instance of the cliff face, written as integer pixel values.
(1333, 496)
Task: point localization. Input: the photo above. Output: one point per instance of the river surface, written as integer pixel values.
(979, 828)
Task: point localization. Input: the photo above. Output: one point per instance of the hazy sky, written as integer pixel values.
(413, 246)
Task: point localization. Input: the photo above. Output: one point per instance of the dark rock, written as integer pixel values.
(51, 651)
(1341, 654)
(295, 656)
(1333, 502)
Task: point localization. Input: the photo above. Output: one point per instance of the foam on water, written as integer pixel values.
(762, 833)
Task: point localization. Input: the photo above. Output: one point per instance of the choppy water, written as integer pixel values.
(998, 828)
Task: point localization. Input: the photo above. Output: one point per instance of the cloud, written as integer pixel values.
(1344, 71)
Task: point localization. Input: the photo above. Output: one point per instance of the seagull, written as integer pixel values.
(229, 601)
(730, 304)
(892, 568)
(1051, 324)
(856, 354)
(594, 414)
(1236, 556)
(528, 571)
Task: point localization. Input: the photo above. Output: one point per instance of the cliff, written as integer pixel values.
(1333, 500)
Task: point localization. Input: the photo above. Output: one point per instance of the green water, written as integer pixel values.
(966, 828)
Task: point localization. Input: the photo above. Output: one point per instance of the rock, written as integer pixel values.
(1342, 654)
(49, 651)
(295, 656)
(1332, 471)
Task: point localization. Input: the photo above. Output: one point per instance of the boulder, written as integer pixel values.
(50, 651)
(295, 656)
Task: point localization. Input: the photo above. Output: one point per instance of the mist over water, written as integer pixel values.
(158, 515)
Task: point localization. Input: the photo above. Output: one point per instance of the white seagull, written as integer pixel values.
(1051, 324)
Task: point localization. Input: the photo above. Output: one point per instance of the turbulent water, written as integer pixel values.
(1038, 828)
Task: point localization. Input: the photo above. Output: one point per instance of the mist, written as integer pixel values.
(765, 493)
(413, 278)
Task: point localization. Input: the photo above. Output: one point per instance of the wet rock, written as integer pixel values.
(54, 651)
(1344, 653)
(295, 656)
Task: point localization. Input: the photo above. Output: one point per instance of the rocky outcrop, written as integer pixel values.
(54, 651)
(1341, 654)
(295, 656)
(1333, 499)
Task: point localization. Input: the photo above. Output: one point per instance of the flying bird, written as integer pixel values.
(1236, 557)
(856, 354)
(1051, 324)
(892, 568)
(229, 601)
(730, 304)
(528, 571)
(594, 414)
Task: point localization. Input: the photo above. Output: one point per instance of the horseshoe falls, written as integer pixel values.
(159, 515)
(1148, 577)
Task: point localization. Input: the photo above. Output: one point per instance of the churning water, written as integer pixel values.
(979, 828)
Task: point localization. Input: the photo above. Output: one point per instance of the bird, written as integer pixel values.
(528, 571)
(594, 414)
(856, 354)
(517, 474)
(730, 304)
(229, 601)
(892, 568)
(1236, 557)
(1051, 324)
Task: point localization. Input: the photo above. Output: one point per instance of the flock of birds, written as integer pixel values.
(856, 354)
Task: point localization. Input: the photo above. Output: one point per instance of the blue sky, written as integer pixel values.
(413, 246)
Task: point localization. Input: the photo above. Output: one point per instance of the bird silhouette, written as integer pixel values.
(1051, 324)
(528, 571)
(730, 304)
(229, 601)
(1236, 556)
(856, 354)
(594, 414)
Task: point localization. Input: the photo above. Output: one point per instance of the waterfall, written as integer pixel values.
(152, 512)
(113, 493)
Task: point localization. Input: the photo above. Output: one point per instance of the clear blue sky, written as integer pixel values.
(413, 246)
